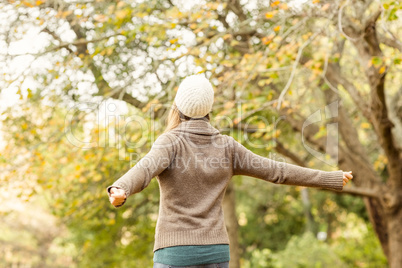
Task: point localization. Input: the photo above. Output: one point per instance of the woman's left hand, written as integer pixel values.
(346, 177)
(117, 196)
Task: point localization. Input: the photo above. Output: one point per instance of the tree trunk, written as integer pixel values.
(229, 208)
(310, 223)
(379, 222)
(395, 239)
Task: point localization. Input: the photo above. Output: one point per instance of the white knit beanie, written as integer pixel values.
(195, 96)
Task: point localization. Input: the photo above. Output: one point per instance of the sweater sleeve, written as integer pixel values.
(152, 164)
(245, 162)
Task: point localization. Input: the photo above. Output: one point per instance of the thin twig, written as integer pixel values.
(294, 68)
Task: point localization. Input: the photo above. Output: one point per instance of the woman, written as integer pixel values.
(194, 163)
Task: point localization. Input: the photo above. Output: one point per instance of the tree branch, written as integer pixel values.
(295, 63)
(333, 75)
(285, 152)
(363, 192)
(369, 48)
(353, 152)
(395, 43)
(236, 8)
(80, 42)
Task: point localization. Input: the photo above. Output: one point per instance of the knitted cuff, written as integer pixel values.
(332, 180)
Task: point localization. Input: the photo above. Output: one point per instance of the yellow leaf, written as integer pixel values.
(100, 18)
(121, 4)
(228, 105)
(266, 40)
(227, 36)
(285, 104)
(382, 70)
(234, 43)
(110, 9)
(316, 1)
(121, 14)
(109, 51)
(27, 4)
(67, 13)
(365, 125)
(269, 147)
(277, 133)
(97, 177)
(277, 28)
(257, 134)
(38, 3)
(172, 41)
(269, 15)
(275, 3)
(326, 6)
(284, 6)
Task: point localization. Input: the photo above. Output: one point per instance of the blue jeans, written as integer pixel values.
(213, 265)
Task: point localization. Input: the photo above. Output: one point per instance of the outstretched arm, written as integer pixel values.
(138, 177)
(245, 162)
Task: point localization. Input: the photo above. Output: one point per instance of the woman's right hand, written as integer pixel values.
(117, 196)
(346, 177)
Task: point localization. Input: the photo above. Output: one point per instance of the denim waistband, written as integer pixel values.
(212, 265)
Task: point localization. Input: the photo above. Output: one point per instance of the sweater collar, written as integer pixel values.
(197, 126)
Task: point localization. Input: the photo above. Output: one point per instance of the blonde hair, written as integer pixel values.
(175, 117)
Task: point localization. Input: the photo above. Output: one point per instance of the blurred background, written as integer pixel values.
(86, 87)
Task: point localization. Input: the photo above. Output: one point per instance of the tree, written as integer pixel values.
(284, 60)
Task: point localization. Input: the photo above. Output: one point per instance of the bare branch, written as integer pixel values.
(80, 42)
(297, 60)
(353, 153)
(334, 77)
(292, 74)
(349, 26)
(366, 192)
(374, 17)
(363, 192)
(395, 43)
(236, 8)
(285, 152)
(222, 19)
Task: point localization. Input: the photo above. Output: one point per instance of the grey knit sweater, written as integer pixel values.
(194, 164)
